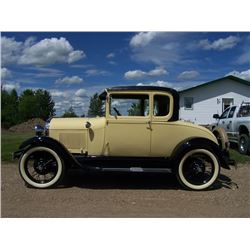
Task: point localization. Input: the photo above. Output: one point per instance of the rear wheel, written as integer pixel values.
(41, 167)
(198, 169)
(243, 145)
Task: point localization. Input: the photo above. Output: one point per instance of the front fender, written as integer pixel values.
(46, 142)
(197, 142)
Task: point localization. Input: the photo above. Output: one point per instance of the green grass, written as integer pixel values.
(10, 143)
(239, 158)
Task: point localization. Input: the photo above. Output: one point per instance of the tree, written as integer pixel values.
(69, 113)
(44, 104)
(9, 106)
(27, 105)
(35, 104)
(135, 109)
(96, 107)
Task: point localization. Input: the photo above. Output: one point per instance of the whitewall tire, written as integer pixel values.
(198, 169)
(41, 167)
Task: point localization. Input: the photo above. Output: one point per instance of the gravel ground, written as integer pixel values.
(125, 195)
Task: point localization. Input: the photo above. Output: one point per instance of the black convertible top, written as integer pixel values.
(174, 93)
(139, 88)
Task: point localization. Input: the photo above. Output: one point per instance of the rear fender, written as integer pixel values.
(197, 142)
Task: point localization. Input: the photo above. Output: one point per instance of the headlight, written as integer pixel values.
(39, 130)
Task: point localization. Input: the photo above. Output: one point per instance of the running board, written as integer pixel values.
(138, 170)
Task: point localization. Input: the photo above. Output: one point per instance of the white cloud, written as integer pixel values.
(112, 62)
(243, 74)
(132, 74)
(81, 93)
(96, 72)
(58, 93)
(135, 74)
(69, 80)
(10, 50)
(10, 86)
(188, 75)
(160, 48)
(143, 38)
(5, 73)
(157, 72)
(45, 52)
(157, 83)
(50, 51)
(110, 55)
(244, 57)
(220, 44)
(40, 72)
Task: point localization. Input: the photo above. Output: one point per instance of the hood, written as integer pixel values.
(74, 123)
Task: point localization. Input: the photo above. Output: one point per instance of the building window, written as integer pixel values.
(227, 102)
(188, 102)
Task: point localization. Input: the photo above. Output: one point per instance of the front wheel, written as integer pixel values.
(41, 167)
(198, 169)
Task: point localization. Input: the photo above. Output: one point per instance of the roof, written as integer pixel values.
(138, 88)
(230, 77)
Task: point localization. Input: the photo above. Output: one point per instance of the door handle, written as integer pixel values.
(149, 125)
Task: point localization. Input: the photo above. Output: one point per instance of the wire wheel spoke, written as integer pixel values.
(41, 167)
(198, 169)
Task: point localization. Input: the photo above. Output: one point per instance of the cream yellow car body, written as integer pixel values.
(129, 136)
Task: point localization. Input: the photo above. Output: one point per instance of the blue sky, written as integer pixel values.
(75, 65)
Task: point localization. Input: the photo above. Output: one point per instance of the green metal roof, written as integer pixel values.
(230, 77)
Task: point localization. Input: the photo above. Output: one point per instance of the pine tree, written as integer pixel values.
(69, 113)
(96, 107)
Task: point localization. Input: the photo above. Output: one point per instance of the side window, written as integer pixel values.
(231, 113)
(161, 105)
(244, 111)
(225, 113)
(188, 102)
(129, 105)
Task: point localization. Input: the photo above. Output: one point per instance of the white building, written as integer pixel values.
(199, 103)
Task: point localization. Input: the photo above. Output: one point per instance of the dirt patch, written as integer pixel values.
(27, 126)
(126, 195)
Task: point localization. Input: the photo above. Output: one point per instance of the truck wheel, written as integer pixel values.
(41, 167)
(243, 145)
(198, 169)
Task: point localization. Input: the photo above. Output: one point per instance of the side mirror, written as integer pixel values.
(216, 116)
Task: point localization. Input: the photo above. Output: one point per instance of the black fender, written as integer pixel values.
(50, 143)
(199, 142)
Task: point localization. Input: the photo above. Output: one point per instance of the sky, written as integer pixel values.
(75, 65)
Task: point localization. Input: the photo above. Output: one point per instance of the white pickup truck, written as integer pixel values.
(235, 120)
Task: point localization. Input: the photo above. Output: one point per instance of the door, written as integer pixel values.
(223, 121)
(128, 125)
(230, 124)
(163, 133)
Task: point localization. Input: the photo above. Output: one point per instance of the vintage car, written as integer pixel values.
(140, 132)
